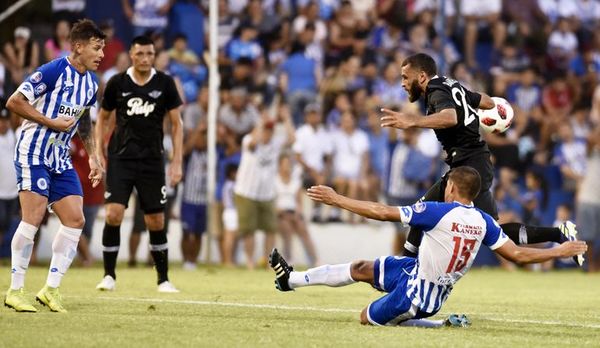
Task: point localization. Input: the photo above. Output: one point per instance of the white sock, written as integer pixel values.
(330, 275)
(64, 250)
(423, 323)
(21, 248)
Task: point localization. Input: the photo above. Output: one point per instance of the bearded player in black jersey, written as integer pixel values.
(452, 114)
(141, 97)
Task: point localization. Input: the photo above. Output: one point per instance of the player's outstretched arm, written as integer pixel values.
(371, 210)
(18, 104)
(523, 255)
(86, 133)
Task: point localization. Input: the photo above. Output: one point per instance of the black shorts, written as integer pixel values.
(485, 200)
(146, 175)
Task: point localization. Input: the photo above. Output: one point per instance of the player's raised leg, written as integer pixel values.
(33, 209)
(330, 275)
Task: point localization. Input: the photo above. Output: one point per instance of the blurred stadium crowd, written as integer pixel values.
(301, 83)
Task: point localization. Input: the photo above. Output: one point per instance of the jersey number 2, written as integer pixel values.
(465, 254)
(460, 98)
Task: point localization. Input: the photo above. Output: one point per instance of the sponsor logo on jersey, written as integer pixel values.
(68, 86)
(138, 107)
(466, 229)
(107, 195)
(69, 110)
(27, 87)
(125, 94)
(42, 184)
(36, 77)
(419, 207)
(449, 82)
(155, 94)
(41, 88)
(406, 214)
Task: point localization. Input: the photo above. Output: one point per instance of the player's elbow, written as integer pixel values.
(13, 103)
(381, 212)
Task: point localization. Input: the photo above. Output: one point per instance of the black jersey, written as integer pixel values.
(140, 111)
(462, 140)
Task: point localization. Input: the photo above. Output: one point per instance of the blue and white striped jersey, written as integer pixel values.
(54, 89)
(453, 233)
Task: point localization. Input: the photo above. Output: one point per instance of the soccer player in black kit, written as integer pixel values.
(141, 97)
(452, 114)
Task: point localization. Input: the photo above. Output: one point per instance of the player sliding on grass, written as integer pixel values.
(418, 287)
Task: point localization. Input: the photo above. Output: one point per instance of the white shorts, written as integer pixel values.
(480, 8)
(230, 219)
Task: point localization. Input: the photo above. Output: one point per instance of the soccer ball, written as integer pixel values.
(498, 119)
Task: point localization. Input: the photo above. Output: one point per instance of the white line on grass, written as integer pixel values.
(328, 310)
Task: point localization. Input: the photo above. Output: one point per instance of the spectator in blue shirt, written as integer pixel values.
(299, 80)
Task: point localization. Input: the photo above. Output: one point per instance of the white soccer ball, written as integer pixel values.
(497, 119)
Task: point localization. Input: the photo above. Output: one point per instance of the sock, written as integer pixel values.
(422, 323)
(111, 240)
(64, 249)
(21, 248)
(521, 234)
(330, 275)
(159, 249)
(413, 241)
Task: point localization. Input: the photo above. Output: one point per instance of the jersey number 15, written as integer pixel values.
(465, 254)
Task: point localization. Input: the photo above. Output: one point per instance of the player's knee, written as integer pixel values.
(361, 270)
(155, 221)
(114, 217)
(77, 221)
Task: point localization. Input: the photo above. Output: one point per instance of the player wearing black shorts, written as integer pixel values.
(452, 114)
(141, 97)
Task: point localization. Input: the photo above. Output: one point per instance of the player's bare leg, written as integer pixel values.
(64, 248)
(249, 250)
(33, 208)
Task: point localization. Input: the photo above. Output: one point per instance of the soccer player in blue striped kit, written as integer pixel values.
(55, 102)
(418, 287)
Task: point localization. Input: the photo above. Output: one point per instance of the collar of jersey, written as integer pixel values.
(465, 205)
(73, 67)
(130, 73)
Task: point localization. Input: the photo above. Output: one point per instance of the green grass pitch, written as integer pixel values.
(236, 308)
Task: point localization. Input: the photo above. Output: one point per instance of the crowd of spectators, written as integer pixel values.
(324, 67)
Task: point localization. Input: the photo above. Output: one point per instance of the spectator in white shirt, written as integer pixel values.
(289, 209)
(9, 203)
(313, 152)
(350, 159)
(254, 189)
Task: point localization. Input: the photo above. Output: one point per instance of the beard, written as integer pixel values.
(414, 92)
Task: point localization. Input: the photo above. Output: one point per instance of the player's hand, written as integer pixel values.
(398, 120)
(323, 194)
(175, 173)
(569, 249)
(62, 123)
(96, 171)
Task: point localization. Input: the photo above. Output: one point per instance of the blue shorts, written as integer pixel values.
(55, 186)
(391, 274)
(193, 218)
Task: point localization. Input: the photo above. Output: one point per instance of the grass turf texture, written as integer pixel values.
(233, 307)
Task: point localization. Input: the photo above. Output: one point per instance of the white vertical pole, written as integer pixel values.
(213, 107)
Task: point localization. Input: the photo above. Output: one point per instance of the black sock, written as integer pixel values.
(521, 234)
(111, 239)
(159, 250)
(413, 241)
